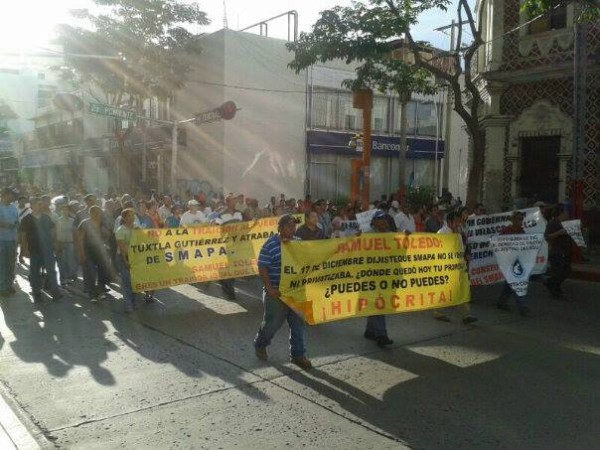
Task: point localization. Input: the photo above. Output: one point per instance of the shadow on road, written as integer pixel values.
(509, 386)
(58, 335)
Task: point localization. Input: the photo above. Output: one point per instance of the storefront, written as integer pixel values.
(330, 159)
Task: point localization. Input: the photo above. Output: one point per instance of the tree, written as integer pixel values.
(587, 9)
(380, 27)
(392, 75)
(374, 27)
(153, 51)
(363, 34)
(151, 42)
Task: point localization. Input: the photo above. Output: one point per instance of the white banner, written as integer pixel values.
(573, 227)
(516, 255)
(348, 228)
(364, 220)
(483, 268)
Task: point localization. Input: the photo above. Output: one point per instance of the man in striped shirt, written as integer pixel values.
(276, 311)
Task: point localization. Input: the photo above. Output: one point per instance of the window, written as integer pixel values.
(335, 110)
(380, 115)
(411, 114)
(319, 109)
(45, 97)
(555, 19)
(350, 122)
(427, 119)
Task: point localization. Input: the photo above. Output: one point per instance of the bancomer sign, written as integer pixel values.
(335, 142)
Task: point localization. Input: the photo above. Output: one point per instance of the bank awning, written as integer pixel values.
(335, 142)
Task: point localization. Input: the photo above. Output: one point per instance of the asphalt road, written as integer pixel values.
(181, 373)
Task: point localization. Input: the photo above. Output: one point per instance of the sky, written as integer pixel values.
(27, 25)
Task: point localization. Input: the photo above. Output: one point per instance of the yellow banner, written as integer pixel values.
(161, 258)
(373, 274)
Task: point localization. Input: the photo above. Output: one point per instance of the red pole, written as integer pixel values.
(363, 99)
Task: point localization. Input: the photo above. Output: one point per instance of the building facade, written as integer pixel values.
(526, 74)
(291, 132)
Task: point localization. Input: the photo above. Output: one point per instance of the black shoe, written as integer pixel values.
(442, 318)
(149, 299)
(503, 307)
(302, 361)
(370, 335)
(524, 311)
(382, 341)
(554, 291)
(469, 320)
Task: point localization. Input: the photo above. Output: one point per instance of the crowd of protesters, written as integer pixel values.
(89, 234)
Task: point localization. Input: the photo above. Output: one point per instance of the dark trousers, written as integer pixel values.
(376, 326)
(507, 293)
(560, 268)
(43, 260)
(95, 275)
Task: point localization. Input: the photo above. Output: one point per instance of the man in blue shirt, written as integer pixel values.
(9, 223)
(276, 311)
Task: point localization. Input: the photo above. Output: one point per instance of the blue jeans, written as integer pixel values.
(8, 259)
(376, 326)
(126, 290)
(38, 261)
(67, 263)
(276, 312)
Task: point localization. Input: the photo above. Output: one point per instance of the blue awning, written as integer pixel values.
(337, 143)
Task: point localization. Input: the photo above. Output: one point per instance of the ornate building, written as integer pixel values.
(526, 73)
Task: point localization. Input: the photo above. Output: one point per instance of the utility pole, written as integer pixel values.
(174, 151)
(447, 128)
(363, 99)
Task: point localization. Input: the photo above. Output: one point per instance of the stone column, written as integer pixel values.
(563, 175)
(513, 160)
(495, 128)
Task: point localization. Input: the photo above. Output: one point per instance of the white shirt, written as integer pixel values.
(405, 222)
(227, 217)
(447, 230)
(164, 212)
(190, 219)
(119, 222)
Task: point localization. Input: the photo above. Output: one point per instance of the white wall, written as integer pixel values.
(457, 150)
(261, 152)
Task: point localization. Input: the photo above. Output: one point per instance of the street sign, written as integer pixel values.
(224, 112)
(111, 111)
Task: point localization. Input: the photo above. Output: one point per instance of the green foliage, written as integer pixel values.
(588, 10)
(148, 35)
(420, 196)
(392, 75)
(367, 33)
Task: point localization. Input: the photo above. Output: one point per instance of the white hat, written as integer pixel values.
(193, 202)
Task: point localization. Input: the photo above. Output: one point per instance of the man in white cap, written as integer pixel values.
(193, 216)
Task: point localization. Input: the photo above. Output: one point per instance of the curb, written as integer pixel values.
(14, 429)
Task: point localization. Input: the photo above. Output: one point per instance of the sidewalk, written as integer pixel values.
(13, 433)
